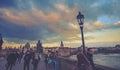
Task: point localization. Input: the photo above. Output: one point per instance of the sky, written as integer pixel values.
(52, 21)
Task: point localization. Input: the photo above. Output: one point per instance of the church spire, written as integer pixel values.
(61, 45)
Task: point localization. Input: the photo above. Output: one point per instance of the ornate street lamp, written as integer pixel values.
(80, 19)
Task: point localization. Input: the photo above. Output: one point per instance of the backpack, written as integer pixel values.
(49, 61)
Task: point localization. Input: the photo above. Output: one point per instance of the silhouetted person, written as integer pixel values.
(56, 61)
(16, 57)
(90, 53)
(39, 47)
(50, 59)
(20, 55)
(83, 63)
(27, 59)
(10, 60)
(35, 60)
(1, 42)
(46, 61)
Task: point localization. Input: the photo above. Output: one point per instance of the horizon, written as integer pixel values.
(54, 21)
(107, 44)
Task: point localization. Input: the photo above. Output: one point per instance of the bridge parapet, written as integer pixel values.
(67, 64)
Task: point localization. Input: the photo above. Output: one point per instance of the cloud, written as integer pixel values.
(117, 23)
(63, 8)
(10, 44)
(69, 41)
(51, 17)
(97, 25)
(55, 19)
(34, 18)
(74, 26)
(20, 18)
(28, 24)
(95, 5)
(7, 3)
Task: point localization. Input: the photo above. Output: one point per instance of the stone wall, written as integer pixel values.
(67, 64)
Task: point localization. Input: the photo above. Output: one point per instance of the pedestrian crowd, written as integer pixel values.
(31, 57)
(51, 60)
(13, 57)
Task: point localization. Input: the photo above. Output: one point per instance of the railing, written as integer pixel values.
(67, 64)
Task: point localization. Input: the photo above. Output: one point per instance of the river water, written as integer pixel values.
(109, 60)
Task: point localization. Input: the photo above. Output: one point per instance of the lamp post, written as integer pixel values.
(80, 19)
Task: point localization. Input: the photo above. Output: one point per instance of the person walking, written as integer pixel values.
(55, 60)
(20, 55)
(35, 60)
(90, 53)
(10, 60)
(27, 59)
(46, 61)
(16, 57)
(83, 63)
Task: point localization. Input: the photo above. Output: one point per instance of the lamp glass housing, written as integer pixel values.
(80, 19)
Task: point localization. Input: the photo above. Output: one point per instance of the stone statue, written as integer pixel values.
(39, 47)
(1, 42)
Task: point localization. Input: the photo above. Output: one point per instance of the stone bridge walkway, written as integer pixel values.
(41, 65)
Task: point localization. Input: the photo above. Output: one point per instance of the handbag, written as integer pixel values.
(49, 61)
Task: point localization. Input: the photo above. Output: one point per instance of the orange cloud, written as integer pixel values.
(10, 44)
(30, 18)
(95, 25)
(51, 17)
(117, 23)
(18, 17)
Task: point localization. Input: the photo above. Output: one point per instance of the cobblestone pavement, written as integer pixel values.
(41, 65)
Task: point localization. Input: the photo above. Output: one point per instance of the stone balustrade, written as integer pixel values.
(67, 64)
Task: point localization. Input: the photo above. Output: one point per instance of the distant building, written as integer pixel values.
(64, 51)
(106, 50)
(39, 47)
